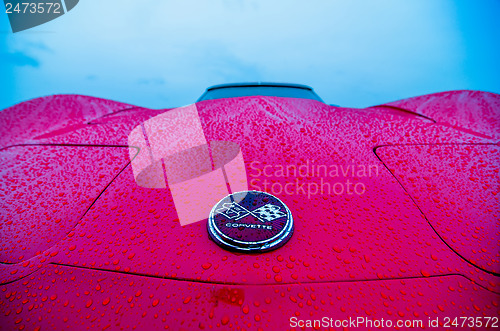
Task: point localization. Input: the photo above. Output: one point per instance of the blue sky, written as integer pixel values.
(162, 54)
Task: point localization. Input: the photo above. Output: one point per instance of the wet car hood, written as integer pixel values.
(357, 216)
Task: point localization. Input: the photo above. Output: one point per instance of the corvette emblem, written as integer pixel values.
(250, 221)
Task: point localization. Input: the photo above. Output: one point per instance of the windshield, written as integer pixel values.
(274, 90)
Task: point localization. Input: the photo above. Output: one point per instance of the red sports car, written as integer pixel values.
(259, 207)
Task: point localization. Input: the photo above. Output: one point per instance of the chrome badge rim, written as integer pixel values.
(250, 221)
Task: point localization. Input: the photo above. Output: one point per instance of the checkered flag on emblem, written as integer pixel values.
(268, 213)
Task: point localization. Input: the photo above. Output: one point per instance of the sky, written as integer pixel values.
(164, 54)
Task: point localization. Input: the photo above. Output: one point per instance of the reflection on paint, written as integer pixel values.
(175, 154)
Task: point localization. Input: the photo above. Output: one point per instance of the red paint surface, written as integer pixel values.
(47, 189)
(374, 254)
(458, 189)
(75, 298)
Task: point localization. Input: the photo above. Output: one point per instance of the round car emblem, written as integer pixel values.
(250, 221)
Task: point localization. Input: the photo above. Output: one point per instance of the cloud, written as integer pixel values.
(19, 59)
(151, 81)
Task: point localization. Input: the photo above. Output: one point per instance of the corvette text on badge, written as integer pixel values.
(250, 221)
